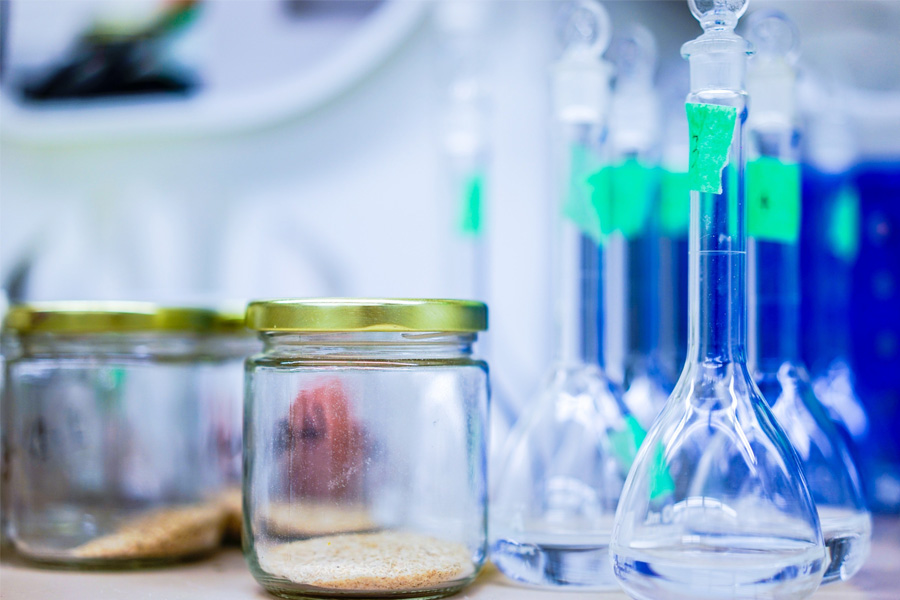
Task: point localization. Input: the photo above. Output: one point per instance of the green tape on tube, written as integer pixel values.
(712, 129)
(675, 204)
(843, 225)
(587, 195)
(632, 197)
(773, 200)
(625, 445)
(471, 221)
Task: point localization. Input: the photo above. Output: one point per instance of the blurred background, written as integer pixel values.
(199, 151)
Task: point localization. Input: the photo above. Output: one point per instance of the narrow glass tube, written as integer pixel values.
(463, 29)
(632, 251)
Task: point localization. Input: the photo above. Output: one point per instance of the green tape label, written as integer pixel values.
(773, 200)
(632, 197)
(472, 206)
(675, 204)
(587, 195)
(625, 445)
(600, 182)
(712, 129)
(843, 225)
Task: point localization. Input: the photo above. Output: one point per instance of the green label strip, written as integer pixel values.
(585, 189)
(675, 204)
(625, 445)
(604, 199)
(773, 200)
(712, 129)
(471, 220)
(633, 186)
(843, 225)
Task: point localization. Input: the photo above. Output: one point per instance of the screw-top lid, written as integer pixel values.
(71, 317)
(366, 314)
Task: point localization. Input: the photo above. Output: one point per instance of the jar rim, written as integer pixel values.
(366, 314)
(83, 316)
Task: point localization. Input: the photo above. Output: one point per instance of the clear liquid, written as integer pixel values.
(548, 560)
(847, 540)
(715, 567)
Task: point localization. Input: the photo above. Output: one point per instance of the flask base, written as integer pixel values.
(585, 567)
(758, 569)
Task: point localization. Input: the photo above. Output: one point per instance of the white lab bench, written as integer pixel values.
(225, 577)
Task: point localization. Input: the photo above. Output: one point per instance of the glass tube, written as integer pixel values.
(716, 504)
(632, 250)
(463, 44)
(774, 261)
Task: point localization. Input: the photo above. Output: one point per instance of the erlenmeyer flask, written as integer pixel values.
(716, 505)
(554, 499)
(774, 228)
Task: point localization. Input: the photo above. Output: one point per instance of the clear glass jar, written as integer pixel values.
(115, 436)
(364, 448)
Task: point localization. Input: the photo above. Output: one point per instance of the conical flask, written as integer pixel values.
(553, 502)
(634, 147)
(716, 505)
(773, 198)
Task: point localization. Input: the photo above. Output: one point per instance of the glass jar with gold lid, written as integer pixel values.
(364, 449)
(122, 429)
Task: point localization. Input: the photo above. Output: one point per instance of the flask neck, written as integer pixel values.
(774, 268)
(578, 255)
(774, 305)
(717, 271)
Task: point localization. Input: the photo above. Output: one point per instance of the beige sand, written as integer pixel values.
(161, 534)
(386, 560)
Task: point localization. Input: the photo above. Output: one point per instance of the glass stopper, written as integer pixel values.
(585, 28)
(773, 34)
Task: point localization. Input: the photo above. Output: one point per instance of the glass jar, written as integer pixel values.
(115, 440)
(364, 448)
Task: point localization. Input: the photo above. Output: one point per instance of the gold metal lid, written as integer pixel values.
(230, 322)
(367, 314)
(109, 317)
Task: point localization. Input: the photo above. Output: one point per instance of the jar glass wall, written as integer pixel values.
(113, 443)
(364, 462)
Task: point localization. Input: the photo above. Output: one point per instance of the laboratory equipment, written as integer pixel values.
(829, 244)
(631, 251)
(553, 501)
(463, 78)
(364, 448)
(674, 224)
(716, 504)
(113, 460)
(773, 224)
